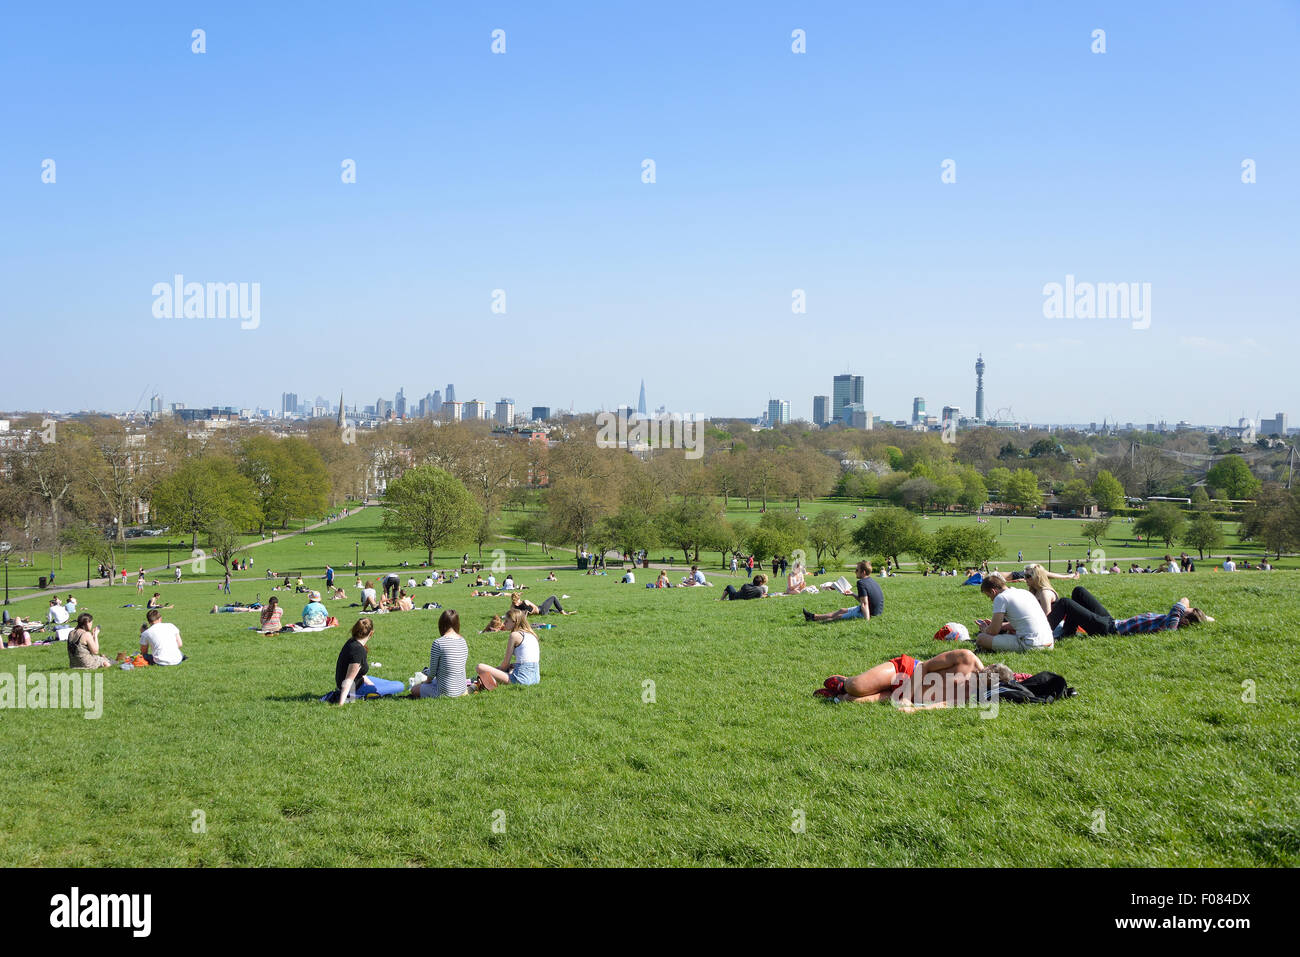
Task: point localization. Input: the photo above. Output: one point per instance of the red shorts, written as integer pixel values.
(903, 665)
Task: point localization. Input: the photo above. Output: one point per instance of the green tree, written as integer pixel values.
(1163, 520)
(955, 546)
(1022, 491)
(1200, 499)
(631, 529)
(1095, 530)
(889, 532)
(427, 507)
(786, 530)
(1232, 475)
(1107, 491)
(1203, 532)
(827, 534)
(974, 492)
(202, 492)
(289, 476)
(1273, 520)
(998, 479)
(1076, 494)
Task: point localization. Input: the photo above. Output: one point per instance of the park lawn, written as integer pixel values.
(732, 751)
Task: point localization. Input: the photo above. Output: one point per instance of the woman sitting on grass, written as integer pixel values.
(519, 603)
(794, 583)
(662, 581)
(83, 645)
(271, 615)
(447, 658)
(900, 679)
(369, 600)
(496, 624)
(522, 645)
(19, 637)
(551, 577)
(350, 676)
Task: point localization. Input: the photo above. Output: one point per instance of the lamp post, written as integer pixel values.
(169, 554)
(1049, 558)
(356, 557)
(6, 579)
(87, 571)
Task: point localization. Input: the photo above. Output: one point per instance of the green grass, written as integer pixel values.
(711, 773)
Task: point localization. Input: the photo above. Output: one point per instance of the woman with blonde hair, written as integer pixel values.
(523, 647)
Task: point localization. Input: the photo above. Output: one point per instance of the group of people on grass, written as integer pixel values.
(1024, 619)
(445, 676)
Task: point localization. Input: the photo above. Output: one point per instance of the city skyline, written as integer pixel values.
(821, 217)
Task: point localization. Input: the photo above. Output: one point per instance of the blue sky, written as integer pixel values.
(775, 172)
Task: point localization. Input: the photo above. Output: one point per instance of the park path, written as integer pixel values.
(104, 582)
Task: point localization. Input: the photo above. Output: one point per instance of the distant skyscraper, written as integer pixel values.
(821, 409)
(288, 403)
(847, 390)
(382, 407)
(505, 412)
(541, 413)
(951, 413)
(474, 410)
(979, 388)
(778, 412)
(918, 410)
(451, 393)
(342, 421)
(399, 406)
(435, 402)
(640, 402)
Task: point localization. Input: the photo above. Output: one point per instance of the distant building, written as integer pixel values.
(505, 413)
(475, 410)
(979, 388)
(846, 390)
(640, 402)
(399, 405)
(821, 410)
(951, 413)
(288, 403)
(778, 412)
(541, 413)
(1273, 426)
(451, 393)
(918, 411)
(452, 411)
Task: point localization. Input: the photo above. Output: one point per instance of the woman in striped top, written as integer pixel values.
(447, 659)
(523, 647)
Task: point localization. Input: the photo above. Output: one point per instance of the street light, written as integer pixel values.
(356, 557)
(87, 571)
(1049, 558)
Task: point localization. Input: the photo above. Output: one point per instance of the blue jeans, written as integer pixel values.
(381, 686)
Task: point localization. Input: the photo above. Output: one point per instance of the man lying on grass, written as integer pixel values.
(871, 600)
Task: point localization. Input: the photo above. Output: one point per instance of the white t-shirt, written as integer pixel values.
(1229, 566)
(58, 615)
(163, 639)
(368, 595)
(1021, 608)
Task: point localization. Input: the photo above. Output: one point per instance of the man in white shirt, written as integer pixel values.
(58, 617)
(1018, 622)
(160, 642)
(1229, 565)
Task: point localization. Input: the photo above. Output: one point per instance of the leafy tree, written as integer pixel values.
(1095, 530)
(889, 532)
(954, 546)
(1203, 532)
(786, 531)
(827, 534)
(1273, 520)
(685, 525)
(974, 493)
(1163, 520)
(224, 542)
(1107, 491)
(998, 479)
(289, 477)
(1200, 499)
(1233, 476)
(1076, 494)
(917, 493)
(202, 492)
(1022, 491)
(427, 507)
(631, 529)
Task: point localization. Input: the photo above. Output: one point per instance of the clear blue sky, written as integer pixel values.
(775, 171)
